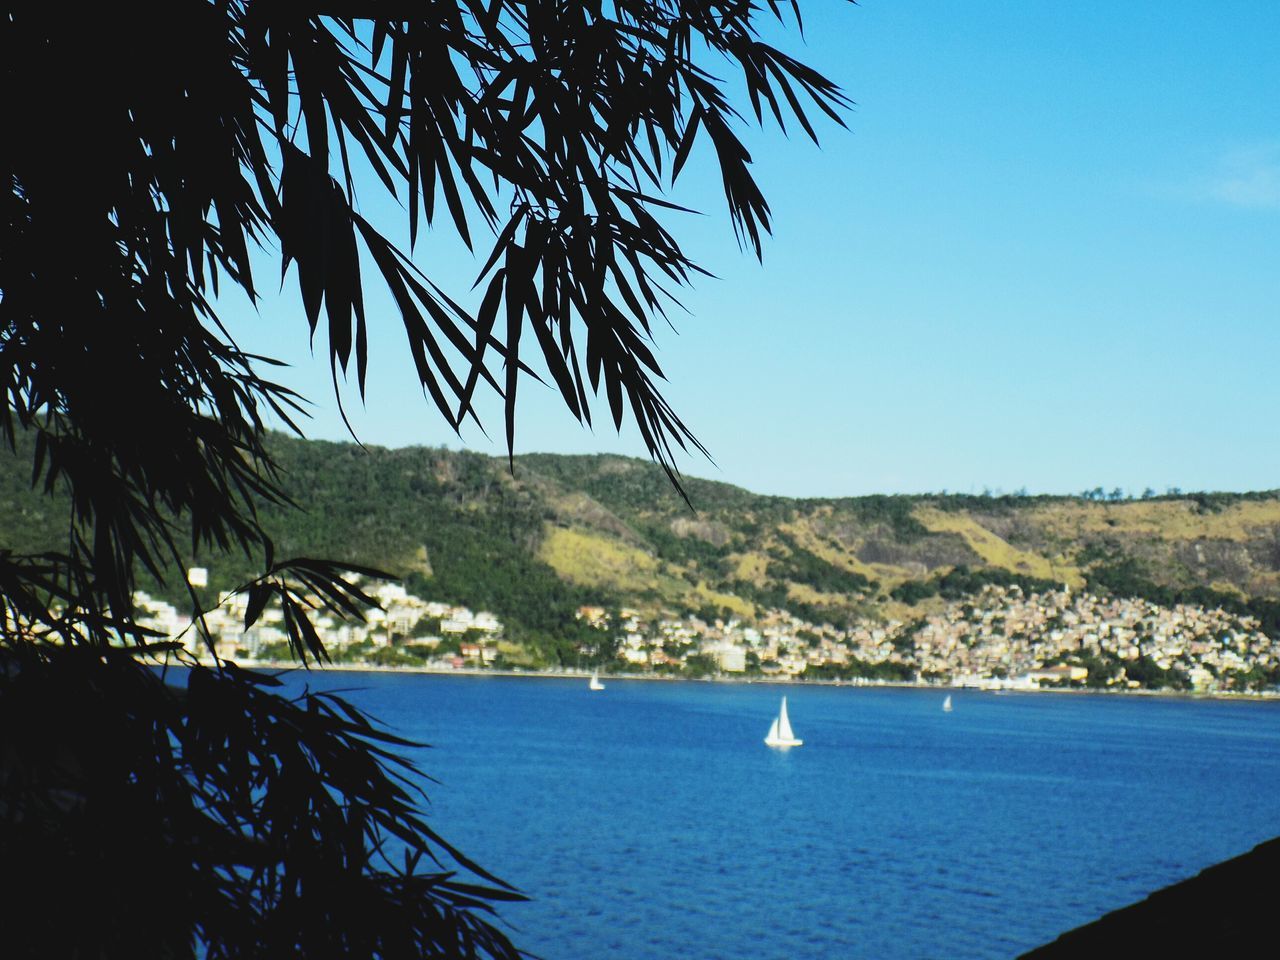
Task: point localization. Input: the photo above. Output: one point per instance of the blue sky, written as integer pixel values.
(1044, 255)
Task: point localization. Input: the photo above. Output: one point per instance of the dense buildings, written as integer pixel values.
(999, 636)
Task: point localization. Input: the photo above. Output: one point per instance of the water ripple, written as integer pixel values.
(650, 822)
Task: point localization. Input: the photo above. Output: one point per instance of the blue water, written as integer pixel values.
(650, 821)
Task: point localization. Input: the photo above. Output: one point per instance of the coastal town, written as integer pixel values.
(998, 638)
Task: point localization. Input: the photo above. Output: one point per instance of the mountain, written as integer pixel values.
(534, 542)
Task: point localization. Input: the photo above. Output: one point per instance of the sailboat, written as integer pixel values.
(946, 704)
(780, 734)
(595, 683)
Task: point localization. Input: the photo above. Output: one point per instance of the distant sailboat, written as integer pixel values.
(780, 733)
(946, 704)
(595, 683)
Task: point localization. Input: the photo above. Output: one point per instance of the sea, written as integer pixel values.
(649, 820)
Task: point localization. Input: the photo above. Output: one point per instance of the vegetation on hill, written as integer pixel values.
(559, 532)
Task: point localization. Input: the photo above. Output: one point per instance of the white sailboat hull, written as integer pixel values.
(775, 742)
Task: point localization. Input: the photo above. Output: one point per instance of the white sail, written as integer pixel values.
(784, 723)
(946, 704)
(595, 683)
(780, 733)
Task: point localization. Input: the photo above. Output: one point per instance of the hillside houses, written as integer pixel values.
(998, 636)
(401, 620)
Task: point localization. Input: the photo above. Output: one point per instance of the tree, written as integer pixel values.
(148, 163)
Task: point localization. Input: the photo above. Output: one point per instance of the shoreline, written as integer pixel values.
(290, 666)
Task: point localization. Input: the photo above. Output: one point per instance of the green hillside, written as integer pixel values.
(560, 532)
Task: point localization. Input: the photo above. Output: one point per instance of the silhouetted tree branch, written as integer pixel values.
(147, 160)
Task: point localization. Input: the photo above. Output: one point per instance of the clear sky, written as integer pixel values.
(1046, 254)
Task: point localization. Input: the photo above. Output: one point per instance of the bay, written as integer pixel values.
(649, 820)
